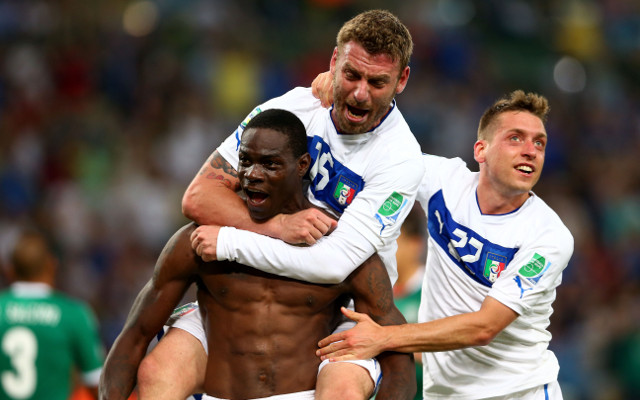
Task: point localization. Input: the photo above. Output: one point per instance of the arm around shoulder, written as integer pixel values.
(329, 261)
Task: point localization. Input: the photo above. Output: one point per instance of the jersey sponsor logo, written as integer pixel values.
(493, 266)
(331, 181)
(243, 124)
(391, 205)
(389, 211)
(479, 258)
(535, 268)
(344, 191)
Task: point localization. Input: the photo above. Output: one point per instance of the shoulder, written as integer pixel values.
(548, 221)
(397, 135)
(444, 166)
(449, 174)
(297, 100)
(546, 230)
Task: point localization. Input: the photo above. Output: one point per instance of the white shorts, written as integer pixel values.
(306, 395)
(189, 319)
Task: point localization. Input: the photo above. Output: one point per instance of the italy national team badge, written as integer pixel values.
(390, 210)
(345, 191)
(493, 266)
(535, 268)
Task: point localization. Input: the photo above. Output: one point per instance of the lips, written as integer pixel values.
(525, 169)
(355, 113)
(255, 197)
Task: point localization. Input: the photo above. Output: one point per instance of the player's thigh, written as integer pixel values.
(177, 359)
(344, 380)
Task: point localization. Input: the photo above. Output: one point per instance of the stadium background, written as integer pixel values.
(108, 108)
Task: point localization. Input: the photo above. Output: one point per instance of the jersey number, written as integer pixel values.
(461, 242)
(20, 345)
(318, 167)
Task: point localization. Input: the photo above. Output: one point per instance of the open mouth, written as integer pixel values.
(256, 197)
(525, 169)
(356, 113)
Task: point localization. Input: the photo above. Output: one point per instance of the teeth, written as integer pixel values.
(524, 168)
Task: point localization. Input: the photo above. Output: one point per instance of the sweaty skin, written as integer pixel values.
(270, 344)
(262, 329)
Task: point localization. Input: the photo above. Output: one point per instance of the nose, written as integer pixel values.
(529, 149)
(253, 173)
(361, 93)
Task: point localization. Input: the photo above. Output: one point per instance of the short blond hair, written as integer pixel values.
(378, 32)
(517, 100)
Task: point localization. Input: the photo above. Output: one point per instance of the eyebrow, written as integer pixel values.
(380, 77)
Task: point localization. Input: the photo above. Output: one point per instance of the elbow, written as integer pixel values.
(189, 204)
(484, 336)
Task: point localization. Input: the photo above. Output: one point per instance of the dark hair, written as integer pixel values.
(30, 255)
(514, 101)
(378, 32)
(284, 122)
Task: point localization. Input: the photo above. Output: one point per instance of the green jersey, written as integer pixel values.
(44, 337)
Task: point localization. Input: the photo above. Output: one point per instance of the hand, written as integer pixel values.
(204, 240)
(306, 226)
(322, 88)
(358, 343)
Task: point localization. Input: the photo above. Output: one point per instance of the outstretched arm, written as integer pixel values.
(373, 295)
(212, 199)
(173, 274)
(368, 338)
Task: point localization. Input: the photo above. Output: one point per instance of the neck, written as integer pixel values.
(493, 202)
(298, 203)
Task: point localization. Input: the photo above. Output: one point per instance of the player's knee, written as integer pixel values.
(350, 392)
(344, 381)
(150, 372)
(342, 391)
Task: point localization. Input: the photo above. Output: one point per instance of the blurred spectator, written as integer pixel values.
(106, 108)
(46, 336)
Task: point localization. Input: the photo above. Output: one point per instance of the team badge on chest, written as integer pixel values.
(345, 191)
(493, 266)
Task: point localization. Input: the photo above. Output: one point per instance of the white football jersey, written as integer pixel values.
(369, 180)
(516, 258)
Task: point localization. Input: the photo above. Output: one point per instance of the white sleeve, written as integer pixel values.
(329, 261)
(535, 271)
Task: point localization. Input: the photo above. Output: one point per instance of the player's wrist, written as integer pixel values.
(274, 227)
(387, 338)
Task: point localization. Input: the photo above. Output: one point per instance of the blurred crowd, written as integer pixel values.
(108, 109)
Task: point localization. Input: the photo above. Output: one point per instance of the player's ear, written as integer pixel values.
(304, 161)
(479, 149)
(402, 82)
(334, 58)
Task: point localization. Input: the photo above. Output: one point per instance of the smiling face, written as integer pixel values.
(364, 86)
(511, 157)
(270, 176)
